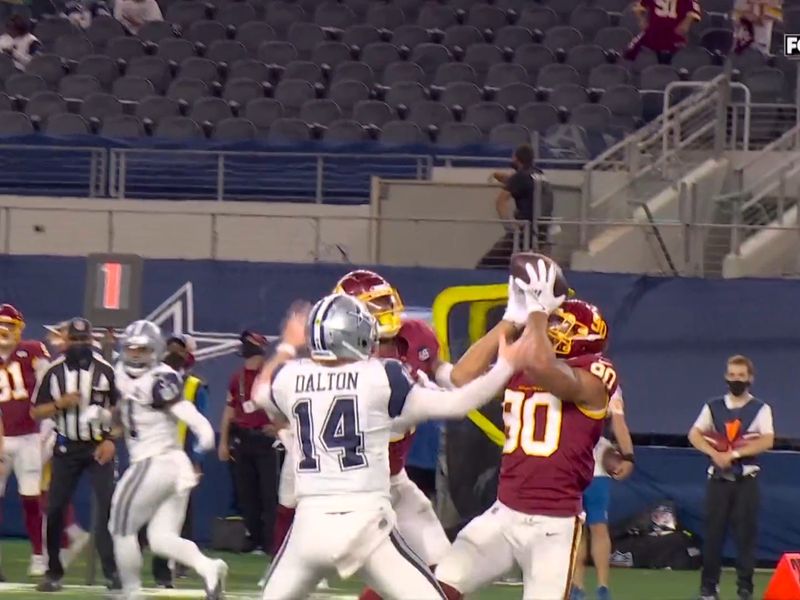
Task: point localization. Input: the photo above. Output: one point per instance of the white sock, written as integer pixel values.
(74, 531)
(129, 562)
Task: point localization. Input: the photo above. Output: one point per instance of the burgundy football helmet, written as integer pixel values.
(381, 298)
(417, 346)
(577, 328)
(11, 324)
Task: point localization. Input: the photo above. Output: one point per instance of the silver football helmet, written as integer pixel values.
(341, 327)
(141, 348)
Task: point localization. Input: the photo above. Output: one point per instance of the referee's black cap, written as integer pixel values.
(79, 329)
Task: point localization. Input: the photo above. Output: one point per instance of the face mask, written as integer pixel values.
(175, 360)
(79, 355)
(737, 388)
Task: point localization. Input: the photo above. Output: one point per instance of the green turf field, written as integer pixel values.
(245, 571)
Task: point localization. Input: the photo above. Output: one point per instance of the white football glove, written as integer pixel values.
(516, 309)
(539, 290)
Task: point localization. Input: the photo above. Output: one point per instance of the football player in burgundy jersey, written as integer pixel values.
(665, 25)
(20, 361)
(553, 413)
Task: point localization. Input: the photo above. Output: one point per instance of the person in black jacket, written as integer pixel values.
(526, 196)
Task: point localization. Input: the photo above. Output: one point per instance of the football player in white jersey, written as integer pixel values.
(341, 404)
(155, 487)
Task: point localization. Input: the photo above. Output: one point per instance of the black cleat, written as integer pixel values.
(165, 585)
(49, 585)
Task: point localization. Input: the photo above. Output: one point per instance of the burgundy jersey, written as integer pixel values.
(663, 18)
(17, 385)
(548, 457)
(245, 412)
(416, 347)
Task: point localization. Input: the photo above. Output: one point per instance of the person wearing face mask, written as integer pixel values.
(246, 438)
(732, 430)
(69, 392)
(526, 196)
(180, 356)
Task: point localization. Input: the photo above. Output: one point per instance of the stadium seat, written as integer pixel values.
(538, 17)
(513, 36)
(533, 57)
(486, 17)
(385, 16)
(253, 34)
(303, 69)
(263, 112)
(124, 48)
(66, 124)
(461, 36)
(156, 108)
(691, 58)
(585, 58)
(430, 56)
(562, 37)
(152, 68)
(132, 89)
(122, 126)
(199, 68)
(14, 123)
(405, 93)
(592, 117)
(345, 130)
(379, 55)
(292, 94)
(485, 115)
(481, 57)
(453, 72)
(353, 71)
(461, 93)
(277, 53)
(506, 73)
(589, 20)
(331, 54)
(436, 16)
(234, 129)
(249, 68)
(347, 94)
(226, 51)
(49, 67)
(281, 15)
(459, 134)
(185, 12)
(187, 89)
(241, 90)
(429, 112)
(625, 104)
(24, 84)
(410, 36)
(212, 110)
(102, 29)
(289, 130)
(606, 76)
(175, 49)
(568, 95)
(73, 47)
(401, 132)
(516, 95)
(236, 14)
(373, 112)
(155, 31)
(206, 32)
(360, 35)
(43, 104)
(305, 37)
(334, 15)
(178, 128)
(403, 71)
(613, 38)
(510, 135)
(320, 112)
(553, 75)
(78, 86)
(537, 116)
(100, 105)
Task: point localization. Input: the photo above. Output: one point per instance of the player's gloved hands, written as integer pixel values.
(516, 309)
(539, 290)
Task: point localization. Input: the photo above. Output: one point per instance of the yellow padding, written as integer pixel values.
(485, 297)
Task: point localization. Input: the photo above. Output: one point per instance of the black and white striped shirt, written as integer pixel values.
(96, 386)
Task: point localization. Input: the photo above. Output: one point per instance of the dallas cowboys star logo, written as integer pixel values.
(176, 315)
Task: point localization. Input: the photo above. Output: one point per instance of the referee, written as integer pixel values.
(74, 381)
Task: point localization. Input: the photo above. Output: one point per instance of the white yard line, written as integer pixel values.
(162, 593)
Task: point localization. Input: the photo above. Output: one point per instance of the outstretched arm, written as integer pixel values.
(201, 428)
(293, 337)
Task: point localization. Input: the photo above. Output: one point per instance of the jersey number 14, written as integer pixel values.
(339, 433)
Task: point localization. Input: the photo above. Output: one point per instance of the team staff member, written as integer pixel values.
(180, 356)
(732, 495)
(247, 438)
(73, 382)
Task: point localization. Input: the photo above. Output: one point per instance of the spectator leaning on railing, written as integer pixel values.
(18, 41)
(526, 196)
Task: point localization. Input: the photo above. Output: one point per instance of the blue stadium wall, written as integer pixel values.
(669, 337)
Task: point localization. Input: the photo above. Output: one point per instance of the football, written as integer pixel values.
(719, 442)
(520, 259)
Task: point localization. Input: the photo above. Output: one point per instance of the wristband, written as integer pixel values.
(286, 348)
(628, 458)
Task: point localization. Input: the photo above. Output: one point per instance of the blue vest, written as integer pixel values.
(725, 423)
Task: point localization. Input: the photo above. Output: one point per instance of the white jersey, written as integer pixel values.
(150, 429)
(341, 417)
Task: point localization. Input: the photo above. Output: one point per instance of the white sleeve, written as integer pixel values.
(443, 374)
(423, 404)
(264, 397)
(704, 421)
(763, 421)
(201, 428)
